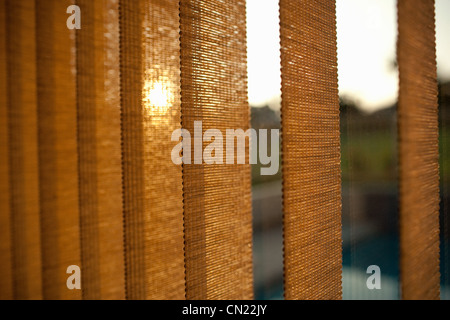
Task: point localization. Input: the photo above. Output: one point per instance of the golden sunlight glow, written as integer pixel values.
(158, 96)
(157, 99)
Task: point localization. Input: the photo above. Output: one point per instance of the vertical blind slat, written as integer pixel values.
(419, 151)
(153, 201)
(310, 150)
(217, 197)
(98, 100)
(23, 144)
(6, 283)
(58, 157)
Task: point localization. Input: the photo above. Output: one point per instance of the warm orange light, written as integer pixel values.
(157, 99)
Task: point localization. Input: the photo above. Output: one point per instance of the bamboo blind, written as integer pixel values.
(58, 156)
(418, 134)
(99, 150)
(86, 178)
(217, 197)
(23, 144)
(310, 150)
(153, 199)
(6, 278)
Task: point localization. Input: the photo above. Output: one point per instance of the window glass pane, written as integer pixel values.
(263, 51)
(368, 88)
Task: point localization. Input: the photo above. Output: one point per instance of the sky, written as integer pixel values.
(366, 36)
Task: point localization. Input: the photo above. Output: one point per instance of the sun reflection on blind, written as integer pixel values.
(157, 99)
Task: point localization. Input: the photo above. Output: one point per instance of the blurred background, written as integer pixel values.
(368, 87)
